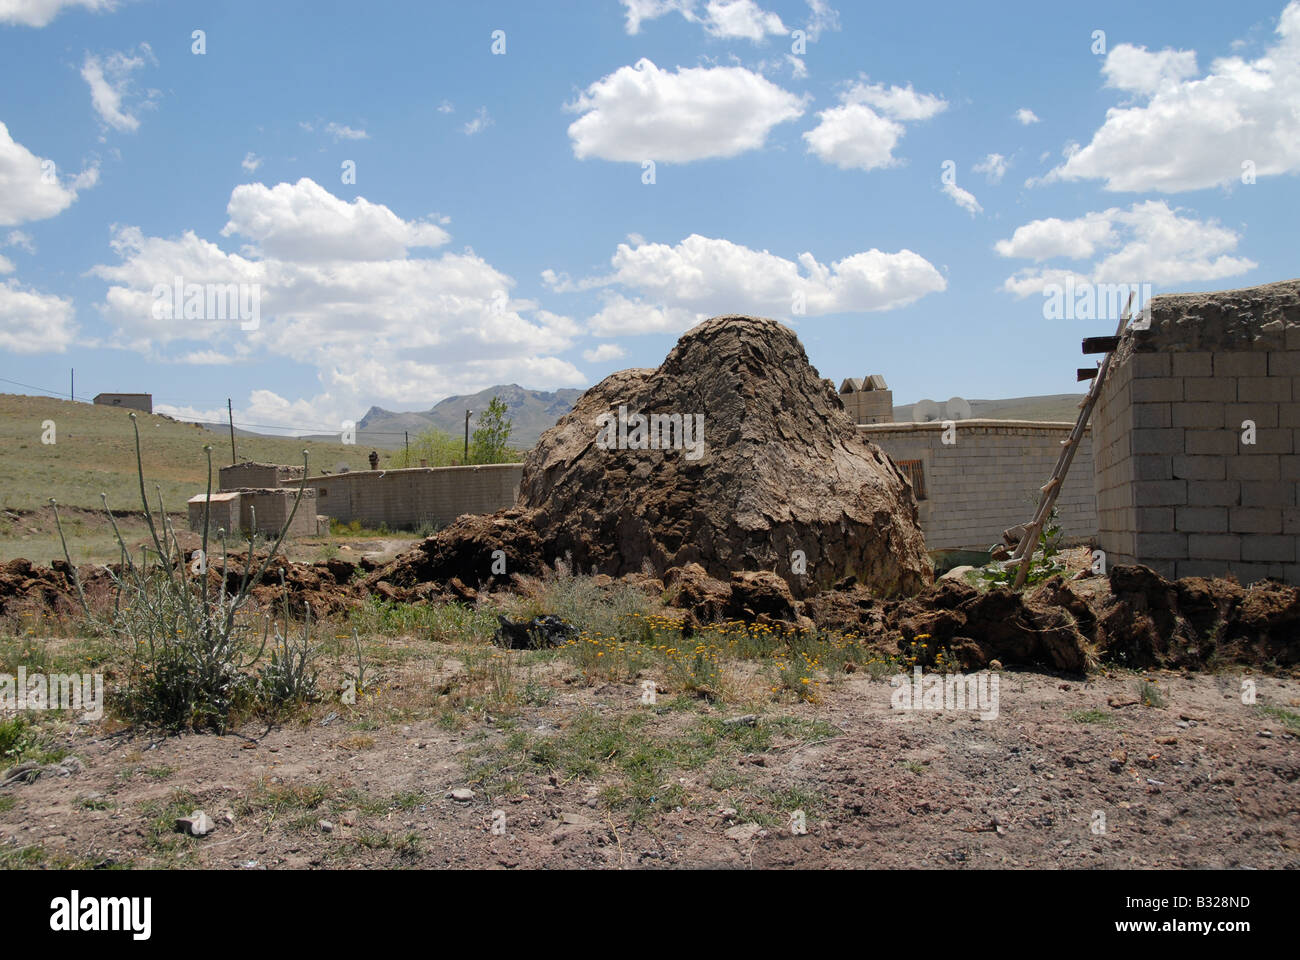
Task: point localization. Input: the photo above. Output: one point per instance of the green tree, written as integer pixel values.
(438, 447)
(489, 441)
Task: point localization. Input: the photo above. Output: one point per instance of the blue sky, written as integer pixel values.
(898, 183)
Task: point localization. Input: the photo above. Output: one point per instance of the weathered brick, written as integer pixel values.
(1253, 466)
(1151, 467)
(1272, 549)
(1214, 443)
(1201, 520)
(1150, 365)
(1155, 520)
(1199, 364)
(1264, 389)
(1291, 521)
(1202, 568)
(1210, 389)
(1267, 493)
(1213, 493)
(1199, 468)
(1157, 389)
(1264, 415)
(1157, 441)
(1160, 493)
(1288, 414)
(1255, 520)
(1214, 546)
(1289, 467)
(1157, 415)
(1240, 363)
(1200, 415)
(1284, 363)
(1162, 546)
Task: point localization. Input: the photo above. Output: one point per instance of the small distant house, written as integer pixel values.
(132, 401)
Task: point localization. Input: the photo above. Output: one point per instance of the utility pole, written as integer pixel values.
(407, 435)
(466, 460)
(72, 385)
(230, 410)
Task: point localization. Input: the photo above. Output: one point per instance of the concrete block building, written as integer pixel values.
(131, 401)
(867, 400)
(411, 497)
(254, 474)
(1197, 437)
(971, 489)
(260, 510)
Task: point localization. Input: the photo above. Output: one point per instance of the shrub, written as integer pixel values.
(190, 643)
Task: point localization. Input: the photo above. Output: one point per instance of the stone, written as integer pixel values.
(743, 832)
(197, 824)
(461, 794)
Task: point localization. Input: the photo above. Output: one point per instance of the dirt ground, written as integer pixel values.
(1071, 773)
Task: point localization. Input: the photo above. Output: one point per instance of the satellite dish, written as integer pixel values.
(924, 411)
(957, 409)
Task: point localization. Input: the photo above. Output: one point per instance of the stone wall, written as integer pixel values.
(987, 480)
(409, 498)
(1180, 487)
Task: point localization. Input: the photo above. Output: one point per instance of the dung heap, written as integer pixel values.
(771, 475)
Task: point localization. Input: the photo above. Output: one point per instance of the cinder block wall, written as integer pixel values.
(869, 406)
(240, 476)
(987, 480)
(223, 513)
(409, 498)
(1178, 488)
(273, 508)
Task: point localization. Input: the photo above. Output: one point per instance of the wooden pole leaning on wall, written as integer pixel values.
(1023, 556)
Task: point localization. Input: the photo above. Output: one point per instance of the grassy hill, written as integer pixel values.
(1057, 406)
(95, 451)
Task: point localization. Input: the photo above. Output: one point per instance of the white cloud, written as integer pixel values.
(994, 167)
(963, 198)
(33, 322)
(604, 353)
(251, 162)
(1044, 239)
(480, 122)
(109, 79)
(1134, 69)
(29, 185)
(18, 238)
(674, 287)
(340, 293)
(863, 131)
(305, 222)
(898, 103)
(642, 113)
(6, 265)
(341, 131)
(38, 13)
(446, 107)
(821, 17)
(1026, 116)
(742, 19)
(206, 358)
(1193, 133)
(1147, 243)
